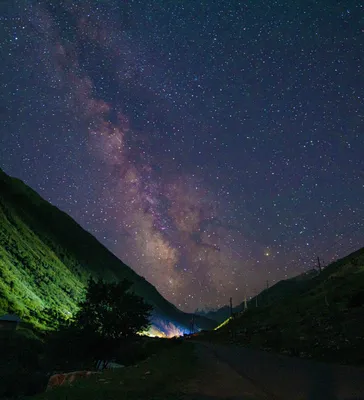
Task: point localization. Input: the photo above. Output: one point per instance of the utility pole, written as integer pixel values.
(319, 264)
(245, 304)
(267, 300)
(232, 322)
(256, 297)
(193, 324)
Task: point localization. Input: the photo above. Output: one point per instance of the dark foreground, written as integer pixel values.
(205, 371)
(286, 378)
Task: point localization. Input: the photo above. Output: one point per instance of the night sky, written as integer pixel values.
(211, 145)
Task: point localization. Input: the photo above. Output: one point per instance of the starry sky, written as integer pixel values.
(211, 145)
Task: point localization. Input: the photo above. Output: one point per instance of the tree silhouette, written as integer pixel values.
(112, 311)
(110, 317)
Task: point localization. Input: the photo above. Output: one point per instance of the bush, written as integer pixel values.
(129, 352)
(69, 349)
(356, 300)
(20, 365)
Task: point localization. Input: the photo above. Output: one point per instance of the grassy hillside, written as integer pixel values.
(315, 315)
(46, 259)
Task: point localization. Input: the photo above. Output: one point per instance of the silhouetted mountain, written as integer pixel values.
(218, 315)
(317, 315)
(279, 291)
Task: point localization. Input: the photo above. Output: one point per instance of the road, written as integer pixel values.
(288, 378)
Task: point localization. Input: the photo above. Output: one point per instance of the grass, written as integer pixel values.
(223, 324)
(20, 366)
(160, 377)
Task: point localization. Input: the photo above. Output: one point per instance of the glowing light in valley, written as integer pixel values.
(164, 329)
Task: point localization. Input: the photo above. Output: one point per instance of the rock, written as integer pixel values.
(68, 378)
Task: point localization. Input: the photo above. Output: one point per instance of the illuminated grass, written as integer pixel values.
(223, 324)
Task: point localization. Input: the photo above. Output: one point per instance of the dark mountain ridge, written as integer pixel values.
(318, 315)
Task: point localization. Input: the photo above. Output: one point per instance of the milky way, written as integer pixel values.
(212, 146)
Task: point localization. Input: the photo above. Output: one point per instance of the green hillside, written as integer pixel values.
(315, 315)
(46, 259)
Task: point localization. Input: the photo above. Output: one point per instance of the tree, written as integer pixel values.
(110, 316)
(112, 311)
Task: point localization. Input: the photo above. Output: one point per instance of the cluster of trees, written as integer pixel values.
(112, 310)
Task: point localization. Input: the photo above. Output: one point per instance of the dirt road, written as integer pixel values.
(287, 378)
(216, 380)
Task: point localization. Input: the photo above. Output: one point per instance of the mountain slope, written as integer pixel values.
(218, 315)
(314, 315)
(279, 291)
(46, 259)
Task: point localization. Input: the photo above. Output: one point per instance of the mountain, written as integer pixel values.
(218, 315)
(280, 290)
(46, 259)
(317, 315)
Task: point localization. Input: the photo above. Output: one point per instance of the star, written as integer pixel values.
(208, 146)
